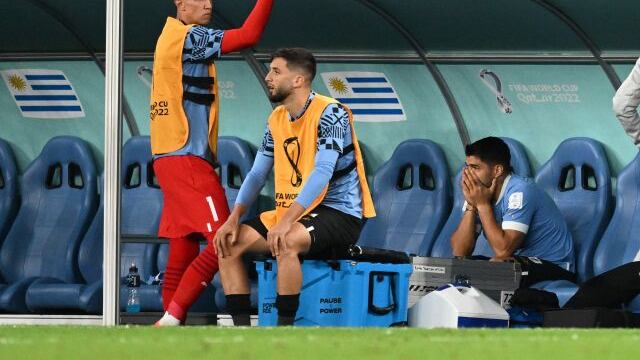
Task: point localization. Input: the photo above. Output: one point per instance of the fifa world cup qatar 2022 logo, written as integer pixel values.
(292, 151)
(492, 81)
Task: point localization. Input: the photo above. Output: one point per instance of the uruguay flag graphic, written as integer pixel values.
(44, 94)
(369, 95)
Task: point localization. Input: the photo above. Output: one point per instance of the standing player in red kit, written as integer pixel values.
(184, 134)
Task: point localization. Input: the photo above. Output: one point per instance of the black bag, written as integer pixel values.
(367, 254)
(590, 318)
(536, 299)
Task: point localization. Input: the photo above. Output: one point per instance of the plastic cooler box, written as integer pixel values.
(340, 293)
(452, 306)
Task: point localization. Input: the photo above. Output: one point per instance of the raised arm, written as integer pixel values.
(255, 180)
(250, 32)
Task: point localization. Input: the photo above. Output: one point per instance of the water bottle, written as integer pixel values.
(133, 283)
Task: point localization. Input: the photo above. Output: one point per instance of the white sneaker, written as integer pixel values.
(167, 320)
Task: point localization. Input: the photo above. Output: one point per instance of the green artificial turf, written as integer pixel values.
(38, 342)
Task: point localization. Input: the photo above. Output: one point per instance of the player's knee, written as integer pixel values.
(295, 247)
(233, 252)
(237, 252)
(286, 255)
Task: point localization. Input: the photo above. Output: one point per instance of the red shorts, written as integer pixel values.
(194, 200)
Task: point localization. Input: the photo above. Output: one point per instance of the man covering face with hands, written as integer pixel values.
(509, 217)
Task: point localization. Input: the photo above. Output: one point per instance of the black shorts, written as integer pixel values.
(535, 270)
(331, 230)
(538, 270)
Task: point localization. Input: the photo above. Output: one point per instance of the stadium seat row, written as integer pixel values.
(412, 195)
(51, 256)
(50, 260)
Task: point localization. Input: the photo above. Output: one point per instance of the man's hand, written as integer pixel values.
(466, 193)
(465, 187)
(475, 192)
(277, 236)
(226, 236)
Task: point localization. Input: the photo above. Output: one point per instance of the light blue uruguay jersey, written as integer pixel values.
(344, 194)
(523, 206)
(201, 47)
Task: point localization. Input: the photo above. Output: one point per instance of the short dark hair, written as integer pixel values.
(491, 150)
(299, 58)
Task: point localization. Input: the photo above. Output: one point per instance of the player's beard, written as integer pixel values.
(485, 184)
(279, 94)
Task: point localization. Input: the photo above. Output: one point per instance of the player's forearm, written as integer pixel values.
(325, 163)
(497, 238)
(249, 34)
(255, 180)
(237, 212)
(293, 213)
(464, 237)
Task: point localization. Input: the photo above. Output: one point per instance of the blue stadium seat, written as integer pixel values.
(140, 213)
(236, 159)
(520, 164)
(618, 245)
(58, 202)
(442, 245)
(47, 295)
(519, 158)
(578, 180)
(141, 210)
(412, 196)
(9, 197)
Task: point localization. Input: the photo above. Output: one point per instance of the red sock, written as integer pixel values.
(182, 251)
(194, 281)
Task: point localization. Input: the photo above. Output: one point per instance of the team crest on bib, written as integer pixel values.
(515, 201)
